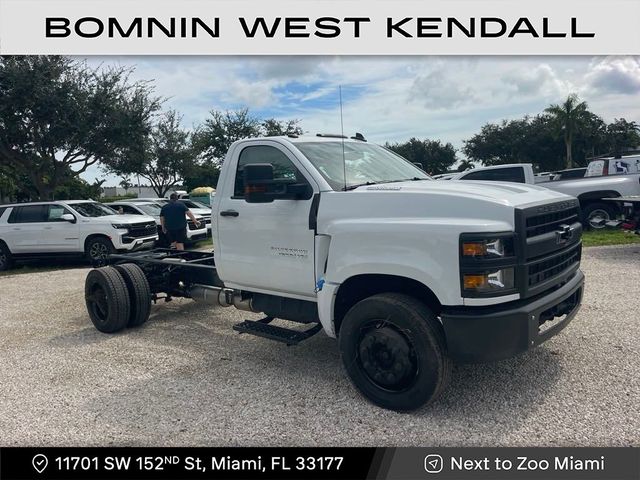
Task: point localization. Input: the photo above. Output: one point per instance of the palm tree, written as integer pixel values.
(568, 117)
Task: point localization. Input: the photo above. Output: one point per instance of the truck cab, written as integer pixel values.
(408, 273)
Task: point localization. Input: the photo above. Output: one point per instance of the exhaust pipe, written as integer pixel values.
(222, 297)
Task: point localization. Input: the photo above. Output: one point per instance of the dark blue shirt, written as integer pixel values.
(174, 215)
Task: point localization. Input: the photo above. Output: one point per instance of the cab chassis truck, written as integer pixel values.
(336, 234)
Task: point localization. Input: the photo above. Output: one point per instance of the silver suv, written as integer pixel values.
(73, 227)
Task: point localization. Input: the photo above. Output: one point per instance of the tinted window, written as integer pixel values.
(29, 214)
(55, 212)
(127, 209)
(283, 168)
(513, 174)
(93, 209)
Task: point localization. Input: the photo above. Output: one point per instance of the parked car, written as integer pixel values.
(194, 232)
(589, 190)
(200, 210)
(74, 227)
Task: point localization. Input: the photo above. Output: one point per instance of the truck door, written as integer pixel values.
(266, 246)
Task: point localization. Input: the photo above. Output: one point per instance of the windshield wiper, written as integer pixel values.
(358, 185)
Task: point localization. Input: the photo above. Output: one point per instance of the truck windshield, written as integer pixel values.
(93, 209)
(365, 164)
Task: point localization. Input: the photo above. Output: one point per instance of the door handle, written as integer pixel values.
(229, 213)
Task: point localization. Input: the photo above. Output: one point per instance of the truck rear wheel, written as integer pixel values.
(394, 351)
(595, 215)
(107, 299)
(139, 293)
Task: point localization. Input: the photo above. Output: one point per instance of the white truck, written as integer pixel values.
(408, 273)
(604, 178)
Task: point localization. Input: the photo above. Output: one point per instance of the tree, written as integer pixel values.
(567, 118)
(434, 156)
(623, 135)
(272, 127)
(201, 175)
(75, 188)
(218, 132)
(221, 129)
(58, 117)
(126, 184)
(168, 154)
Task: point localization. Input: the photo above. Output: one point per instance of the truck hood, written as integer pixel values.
(503, 193)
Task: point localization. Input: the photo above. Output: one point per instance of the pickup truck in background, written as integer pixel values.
(614, 181)
(336, 234)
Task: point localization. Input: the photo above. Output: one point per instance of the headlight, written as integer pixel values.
(487, 264)
(489, 248)
(119, 226)
(487, 283)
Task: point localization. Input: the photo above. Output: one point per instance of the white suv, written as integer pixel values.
(194, 233)
(73, 227)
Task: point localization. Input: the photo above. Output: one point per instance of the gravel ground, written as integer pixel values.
(187, 379)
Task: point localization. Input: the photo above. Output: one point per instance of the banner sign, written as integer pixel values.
(319, 27)
(321, 463)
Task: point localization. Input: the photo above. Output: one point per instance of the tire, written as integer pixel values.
(107, 299)
(139, 293)
(97, 249)
(593, 215)
(394, 351)
(6, 259)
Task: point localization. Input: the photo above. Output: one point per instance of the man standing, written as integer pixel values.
(174, 222)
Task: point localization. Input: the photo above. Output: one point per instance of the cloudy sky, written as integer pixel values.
(387, 98)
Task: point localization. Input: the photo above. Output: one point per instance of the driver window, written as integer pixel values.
(55, 212)
(283, 168)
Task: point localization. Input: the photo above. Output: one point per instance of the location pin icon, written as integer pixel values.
(40, 462)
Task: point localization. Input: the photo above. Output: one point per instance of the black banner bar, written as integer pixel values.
(320, 463)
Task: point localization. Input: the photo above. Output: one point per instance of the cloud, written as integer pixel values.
(537, 80)
(438, 91)
(615, 76)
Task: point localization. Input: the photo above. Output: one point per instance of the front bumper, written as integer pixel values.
(485, 334)
(136, 243)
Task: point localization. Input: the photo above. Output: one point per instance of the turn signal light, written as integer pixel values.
(474, 249)
(473, 282)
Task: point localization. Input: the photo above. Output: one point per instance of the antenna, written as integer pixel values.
(344, 161)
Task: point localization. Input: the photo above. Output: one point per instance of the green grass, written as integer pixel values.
(597, 238)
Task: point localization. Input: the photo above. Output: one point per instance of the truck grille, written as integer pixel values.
(142, 229)
(550, 246)
(547, 268)
(550, 222)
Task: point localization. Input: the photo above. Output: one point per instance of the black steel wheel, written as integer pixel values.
(6, 261)
(394, 351)
(98, 249)
(139, 293)
(107, 299)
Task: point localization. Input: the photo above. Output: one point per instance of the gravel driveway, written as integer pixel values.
(186, 378)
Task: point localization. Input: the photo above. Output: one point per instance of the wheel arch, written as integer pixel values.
(590, 197)
(95, 235)
(359, 287)
(4, 245)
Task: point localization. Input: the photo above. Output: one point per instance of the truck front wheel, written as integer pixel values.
(394, 351)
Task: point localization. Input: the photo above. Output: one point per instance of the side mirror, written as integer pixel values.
(419, 165)
(261, 187)
(67, 217)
